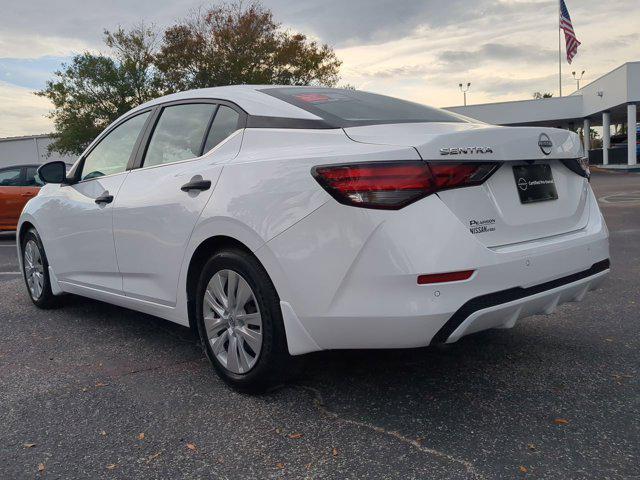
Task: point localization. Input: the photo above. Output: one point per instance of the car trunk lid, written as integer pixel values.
(529, 158)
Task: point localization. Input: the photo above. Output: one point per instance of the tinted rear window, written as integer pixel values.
(350, 108)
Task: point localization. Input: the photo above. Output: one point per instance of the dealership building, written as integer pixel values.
(28, 150)
(610, 100)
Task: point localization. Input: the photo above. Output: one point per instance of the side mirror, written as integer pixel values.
(53, 172)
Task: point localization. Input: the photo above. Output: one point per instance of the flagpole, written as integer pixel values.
(559, 48)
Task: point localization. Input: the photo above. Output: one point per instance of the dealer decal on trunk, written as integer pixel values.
(482, 226)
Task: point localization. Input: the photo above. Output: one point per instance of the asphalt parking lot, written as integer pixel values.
(95, 391)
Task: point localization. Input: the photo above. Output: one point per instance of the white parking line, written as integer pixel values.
(10, 273)
(7, 246)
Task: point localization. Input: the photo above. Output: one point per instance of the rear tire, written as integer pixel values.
(35, 271)
(240, 322)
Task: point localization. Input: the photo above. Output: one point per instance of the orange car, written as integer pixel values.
(17, 185)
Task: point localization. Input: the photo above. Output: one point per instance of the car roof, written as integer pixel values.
(22, 165)
(247, 97)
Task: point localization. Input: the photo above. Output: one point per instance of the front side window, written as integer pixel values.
(10, 178)
(33, 179)
(225, 123)
(179, 133)
(112, 154)
(352, 108)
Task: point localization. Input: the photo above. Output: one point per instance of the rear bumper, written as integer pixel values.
(348, 276)
(503, 309)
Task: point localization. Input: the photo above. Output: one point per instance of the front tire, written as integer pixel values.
(240, 322)
(35, 270)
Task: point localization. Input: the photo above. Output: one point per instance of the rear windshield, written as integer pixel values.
(351, 108)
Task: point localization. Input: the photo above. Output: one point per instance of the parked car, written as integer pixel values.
(277, 221)
(18, 185)
(621, 141)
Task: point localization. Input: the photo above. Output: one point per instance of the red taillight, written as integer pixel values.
(445, 277)
(393, 185)
(461, 174)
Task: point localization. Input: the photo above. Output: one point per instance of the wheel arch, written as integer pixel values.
(24, 228)
(196, 263)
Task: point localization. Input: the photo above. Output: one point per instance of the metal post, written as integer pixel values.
(632, 134)
(586, 134)
(464, 89)
(559, 48)
(606, 137)
(578, 78)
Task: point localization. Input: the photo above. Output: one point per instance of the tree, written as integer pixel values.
(224, 45)
(93, 90)
(540, 95)
(234, 44)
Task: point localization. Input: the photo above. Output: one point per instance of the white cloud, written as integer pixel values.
(22, 112)
(415, 49)
(507, 53)
(33, 45)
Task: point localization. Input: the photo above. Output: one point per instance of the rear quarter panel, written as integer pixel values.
(268, 188)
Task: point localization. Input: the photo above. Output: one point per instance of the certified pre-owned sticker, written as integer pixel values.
(482, 226)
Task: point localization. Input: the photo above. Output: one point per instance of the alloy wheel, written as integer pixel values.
(232, 321)
(33, 269)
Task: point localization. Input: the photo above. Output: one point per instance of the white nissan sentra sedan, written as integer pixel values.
(277, 221)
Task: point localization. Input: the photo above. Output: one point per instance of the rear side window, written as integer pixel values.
(352, 108)
(179, 134)
(33, 179)
(225, 123)
(10, 178)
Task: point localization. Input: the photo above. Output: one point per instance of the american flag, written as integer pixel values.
(569, 34)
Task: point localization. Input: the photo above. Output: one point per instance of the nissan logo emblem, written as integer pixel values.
(523, 184)
(545, 143)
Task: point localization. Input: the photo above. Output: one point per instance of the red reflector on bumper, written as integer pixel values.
(445, 277)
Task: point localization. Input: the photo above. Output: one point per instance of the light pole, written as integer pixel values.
(577, 79)
(464, 89)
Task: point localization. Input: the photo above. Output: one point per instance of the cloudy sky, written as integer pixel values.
(415, 49)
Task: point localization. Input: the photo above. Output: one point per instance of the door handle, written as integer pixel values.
(106, 198)
(196, 185)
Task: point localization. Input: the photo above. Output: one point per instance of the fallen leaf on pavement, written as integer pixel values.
(141, 436)
(111, 466)
(295, 436)
(561, 421)
(153, 457)
(28, 445)
(192, 447)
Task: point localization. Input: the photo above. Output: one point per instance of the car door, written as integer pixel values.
(32, 183)
(160, 202)
(11, 201)
(78, 234)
